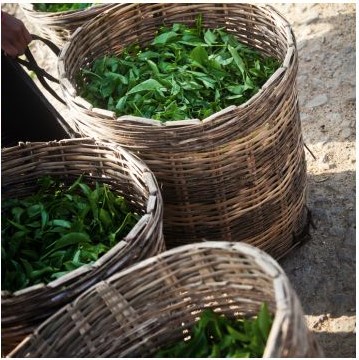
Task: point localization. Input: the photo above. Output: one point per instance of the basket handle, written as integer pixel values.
(41, 74)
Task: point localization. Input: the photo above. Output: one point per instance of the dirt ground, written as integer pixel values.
(322, 271)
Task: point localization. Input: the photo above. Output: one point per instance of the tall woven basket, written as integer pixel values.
(238, 175)
(156, 302)
(59, 26)
(127, 175)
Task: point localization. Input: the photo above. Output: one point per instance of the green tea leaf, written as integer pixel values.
(116, 77)
(61, 223)
(17, 212)
(36, 274)
(18, 226)
(237, 89)
(264, 320)
(30, 254)
(105, 217)
(147, 85)
(27, 266)
(215, 335)
(73, 238)
(164, 38)
(199, 54)
(209, 37)
(237, 59)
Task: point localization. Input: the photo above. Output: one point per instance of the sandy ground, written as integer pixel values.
(322, 271)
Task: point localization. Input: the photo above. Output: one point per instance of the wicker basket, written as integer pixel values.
(145, 307)
(238, 175)
(58, 26)
(23, 310)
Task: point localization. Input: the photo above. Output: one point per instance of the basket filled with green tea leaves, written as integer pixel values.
(186, 72)
(73, 213)
(58, 21)
(211, 299)
(206, 95)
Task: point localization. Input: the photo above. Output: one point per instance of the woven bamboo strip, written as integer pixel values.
(127, 175)
(238, 175)
(156, 301)
(59, 26)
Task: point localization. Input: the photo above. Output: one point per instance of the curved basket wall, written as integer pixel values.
(238, 175)
(127, 175)
(59, 26)
(145, 307)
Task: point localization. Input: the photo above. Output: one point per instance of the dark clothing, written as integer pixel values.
(26, 115)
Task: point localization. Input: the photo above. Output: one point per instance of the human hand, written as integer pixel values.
(14, 35)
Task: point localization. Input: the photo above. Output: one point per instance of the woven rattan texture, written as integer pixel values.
(143, 308)
(126, 174)
(239, 175)
(59, 26)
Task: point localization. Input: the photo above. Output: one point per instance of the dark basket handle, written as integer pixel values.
(41, 74)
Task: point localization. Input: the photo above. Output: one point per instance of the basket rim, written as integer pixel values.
(261, 257)
(64, 14)
(285, 298)
(153, 190)
(70, 92)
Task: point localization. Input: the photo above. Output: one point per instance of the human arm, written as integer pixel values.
(14, 35)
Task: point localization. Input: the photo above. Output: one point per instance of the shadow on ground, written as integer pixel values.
(322, 271)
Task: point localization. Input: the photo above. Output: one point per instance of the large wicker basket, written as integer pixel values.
(145, 307)
(58, 26)
(238, 175)
(127, 175)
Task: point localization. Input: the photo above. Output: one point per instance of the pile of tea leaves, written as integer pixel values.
(60, 7)
(218, 336)
(184, 73)
(59, 228)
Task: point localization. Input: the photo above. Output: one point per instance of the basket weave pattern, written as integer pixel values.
(145, 307)
(59, 26)
(127, 175)
(238, 175)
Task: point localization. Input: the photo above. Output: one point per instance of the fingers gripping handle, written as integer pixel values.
(41, 74)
